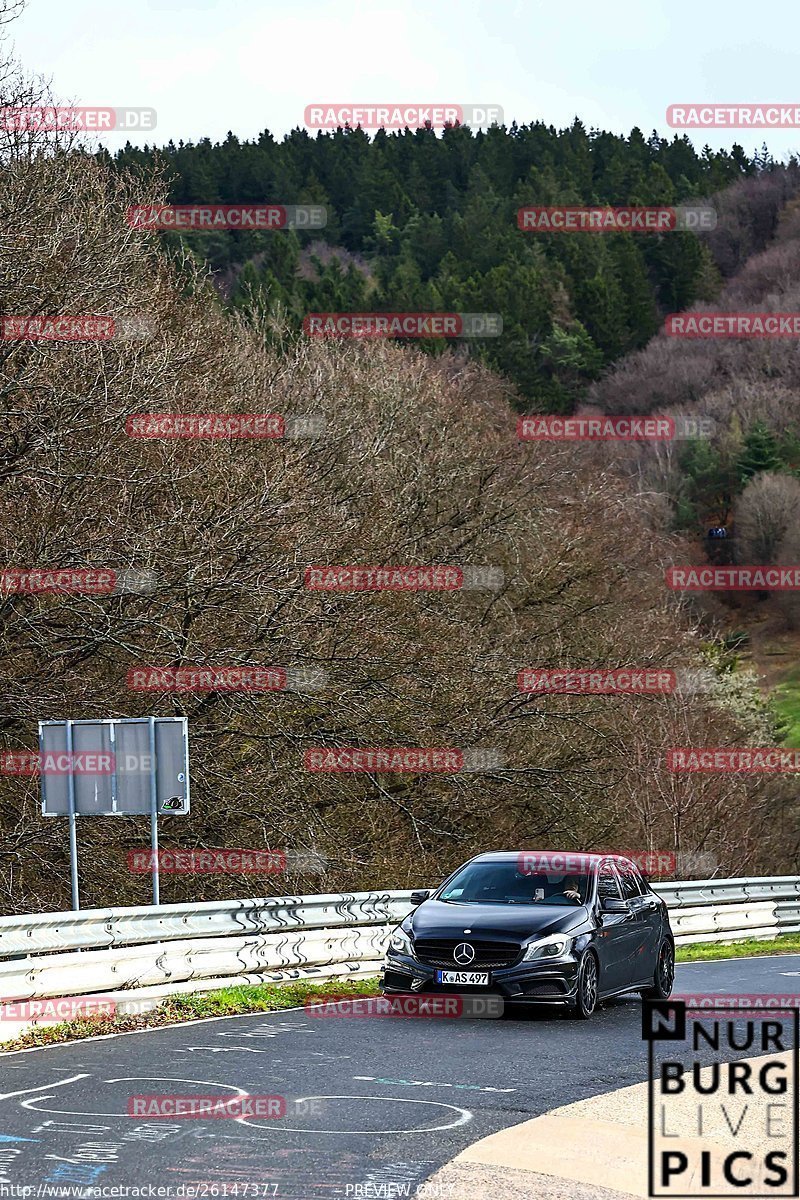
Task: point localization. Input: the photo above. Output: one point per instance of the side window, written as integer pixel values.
(641, 882)
(629, 880)
(607, 886)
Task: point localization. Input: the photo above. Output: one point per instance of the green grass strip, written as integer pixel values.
(787, 943)
(229, 1001)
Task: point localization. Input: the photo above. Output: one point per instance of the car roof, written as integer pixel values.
(593, 856)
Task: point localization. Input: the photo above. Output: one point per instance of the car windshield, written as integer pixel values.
(504, 883)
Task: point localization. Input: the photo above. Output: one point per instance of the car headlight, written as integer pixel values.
(400, 942)
(549, 947)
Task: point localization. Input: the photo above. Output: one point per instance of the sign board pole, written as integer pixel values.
(154, 812)
(73, 826)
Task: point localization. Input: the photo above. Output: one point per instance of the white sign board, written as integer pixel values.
(115, 767)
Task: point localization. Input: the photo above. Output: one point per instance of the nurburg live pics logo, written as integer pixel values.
(722, 1099)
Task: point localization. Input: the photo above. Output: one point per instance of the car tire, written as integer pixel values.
(585, 1001)
(664, 975)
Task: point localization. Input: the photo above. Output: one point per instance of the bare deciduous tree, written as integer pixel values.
(767, 510)
(419, 464)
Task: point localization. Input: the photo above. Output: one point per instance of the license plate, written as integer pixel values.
(478, 978)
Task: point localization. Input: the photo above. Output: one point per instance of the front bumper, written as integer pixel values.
(543, 981)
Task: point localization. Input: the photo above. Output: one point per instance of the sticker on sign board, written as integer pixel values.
(173, 804)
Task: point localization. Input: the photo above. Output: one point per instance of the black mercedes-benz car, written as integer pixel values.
(536, 927)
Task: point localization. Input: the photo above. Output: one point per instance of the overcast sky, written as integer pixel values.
(209, 66)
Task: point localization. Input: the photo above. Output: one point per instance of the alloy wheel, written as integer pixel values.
(666, 969)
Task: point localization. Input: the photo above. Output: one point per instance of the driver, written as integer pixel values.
(570, 889)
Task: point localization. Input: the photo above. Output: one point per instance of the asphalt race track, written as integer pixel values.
(372, 1101)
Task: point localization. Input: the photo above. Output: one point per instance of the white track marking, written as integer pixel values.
(464, 1116)
(33, 1104)
(44, 1087)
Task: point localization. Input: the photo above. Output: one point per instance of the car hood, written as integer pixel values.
(436, 919)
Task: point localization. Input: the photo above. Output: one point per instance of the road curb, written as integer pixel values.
(595, 1148)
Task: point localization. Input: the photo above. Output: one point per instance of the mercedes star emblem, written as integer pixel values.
(463, 953)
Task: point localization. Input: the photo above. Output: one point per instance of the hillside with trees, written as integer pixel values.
(744, 473)
(415, 461)
(427, 221)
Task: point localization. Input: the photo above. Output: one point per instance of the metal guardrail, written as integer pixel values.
(100, 928)
(721, 910)
(64, 954)
(100, 950)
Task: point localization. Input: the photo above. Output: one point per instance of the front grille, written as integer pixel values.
(438, 952)
(467, 989)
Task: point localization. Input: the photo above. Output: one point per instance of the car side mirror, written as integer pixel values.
(612, 904)
(420, 896)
